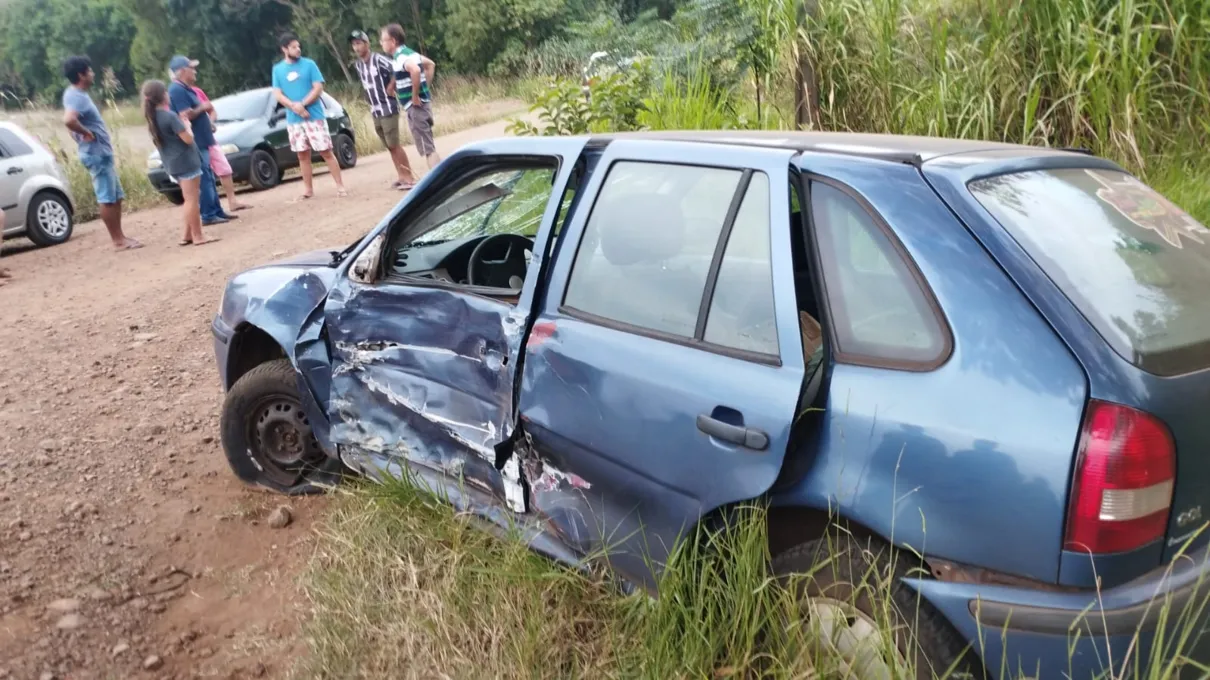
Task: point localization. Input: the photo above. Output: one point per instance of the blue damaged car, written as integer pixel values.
(987, 362)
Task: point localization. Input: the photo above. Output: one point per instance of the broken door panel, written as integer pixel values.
(423, 374)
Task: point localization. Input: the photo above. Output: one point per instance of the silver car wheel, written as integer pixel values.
(53, 219)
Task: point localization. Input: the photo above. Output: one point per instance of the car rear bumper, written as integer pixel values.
(1081, 634)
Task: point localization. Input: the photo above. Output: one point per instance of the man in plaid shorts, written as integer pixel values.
(297, 84)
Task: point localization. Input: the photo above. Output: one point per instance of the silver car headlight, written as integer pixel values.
(154, 163)
(229, 149)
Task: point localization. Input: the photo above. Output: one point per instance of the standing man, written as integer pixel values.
(82, 118)
(377, 75)
(218, 160)
(297, 83)
(185, 103)
(413, 71)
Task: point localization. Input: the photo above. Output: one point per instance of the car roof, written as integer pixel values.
(898, 148)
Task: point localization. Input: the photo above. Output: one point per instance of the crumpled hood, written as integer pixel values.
(313, 258)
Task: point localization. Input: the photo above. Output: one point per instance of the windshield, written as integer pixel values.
(242, 106)
(513, 202)
(1134, 264)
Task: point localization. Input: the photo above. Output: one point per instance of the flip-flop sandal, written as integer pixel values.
(131, 245)
(185, 242)
(209, 240)
(242, 207)
(342, 193)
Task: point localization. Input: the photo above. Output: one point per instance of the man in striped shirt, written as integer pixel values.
(413, 71)
(377, 75)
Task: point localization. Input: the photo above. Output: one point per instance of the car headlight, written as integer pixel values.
(154, 163)
(228, 149)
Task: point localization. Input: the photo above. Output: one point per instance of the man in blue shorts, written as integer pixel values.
(87, 128)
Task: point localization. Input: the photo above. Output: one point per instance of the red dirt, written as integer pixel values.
(111, 474)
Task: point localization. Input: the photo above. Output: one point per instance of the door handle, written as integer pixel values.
(747, 437)
(16, 171)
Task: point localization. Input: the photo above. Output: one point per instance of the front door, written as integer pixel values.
(425, 328)
(664, 369)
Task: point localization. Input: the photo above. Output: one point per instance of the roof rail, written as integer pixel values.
(1077, 149)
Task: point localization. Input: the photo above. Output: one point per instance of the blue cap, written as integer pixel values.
(179, 62)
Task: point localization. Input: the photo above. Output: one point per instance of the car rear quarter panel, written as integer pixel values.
(970, 461)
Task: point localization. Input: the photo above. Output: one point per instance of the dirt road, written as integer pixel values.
(127, 549)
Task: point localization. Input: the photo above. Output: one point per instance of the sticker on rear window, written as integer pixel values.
(1147, 208)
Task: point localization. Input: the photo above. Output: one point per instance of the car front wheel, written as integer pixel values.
(346, 151)
(870, 625)
(174, 197)
(267, 436)
(49, 221)
(263, 172)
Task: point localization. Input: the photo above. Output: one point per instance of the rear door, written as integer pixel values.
(662, 374)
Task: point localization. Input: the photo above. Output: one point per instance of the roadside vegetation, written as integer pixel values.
(402, 586)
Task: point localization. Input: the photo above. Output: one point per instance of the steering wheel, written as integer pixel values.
(497, 273)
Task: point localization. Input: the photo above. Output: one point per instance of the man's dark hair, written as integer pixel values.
(285, 40)
(395, 31)
(74, 68)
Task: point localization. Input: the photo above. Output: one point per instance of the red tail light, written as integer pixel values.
(1125, 471)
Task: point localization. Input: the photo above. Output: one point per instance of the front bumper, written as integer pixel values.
(222, 347)
(1049, 634)
(241, 163)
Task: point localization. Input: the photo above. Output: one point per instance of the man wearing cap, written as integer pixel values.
(184, 100)
(377, 74)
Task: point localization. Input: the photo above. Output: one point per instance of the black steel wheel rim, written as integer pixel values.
(281, 440)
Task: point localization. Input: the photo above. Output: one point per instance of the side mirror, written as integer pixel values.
(365, 267)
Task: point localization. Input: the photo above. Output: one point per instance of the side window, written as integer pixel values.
(647, 248)
(501, 201)
(879, 311)
(12, 146)
(741, 310)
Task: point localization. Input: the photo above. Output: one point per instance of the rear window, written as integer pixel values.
(1134, 264)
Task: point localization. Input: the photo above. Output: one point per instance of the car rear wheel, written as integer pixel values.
(263, 172)
(49, 222)
(873, 627)
(267, 436)
(346, 151)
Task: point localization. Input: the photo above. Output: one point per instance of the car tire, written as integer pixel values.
(263, 172)
(346, 151)
(174, 197)
(49, 221)
(267, 438)
(832, 575)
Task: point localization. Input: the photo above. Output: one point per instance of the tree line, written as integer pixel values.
(131, 40)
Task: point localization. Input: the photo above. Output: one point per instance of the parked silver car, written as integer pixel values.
(34, 191)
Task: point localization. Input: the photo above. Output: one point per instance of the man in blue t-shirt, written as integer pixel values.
(83, 120)
(183, 99)
(298, 84)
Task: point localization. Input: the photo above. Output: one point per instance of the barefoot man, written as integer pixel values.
(297, 84)
(96, 151)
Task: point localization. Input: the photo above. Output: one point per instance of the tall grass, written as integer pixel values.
(1126, 79)
(402, 586)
